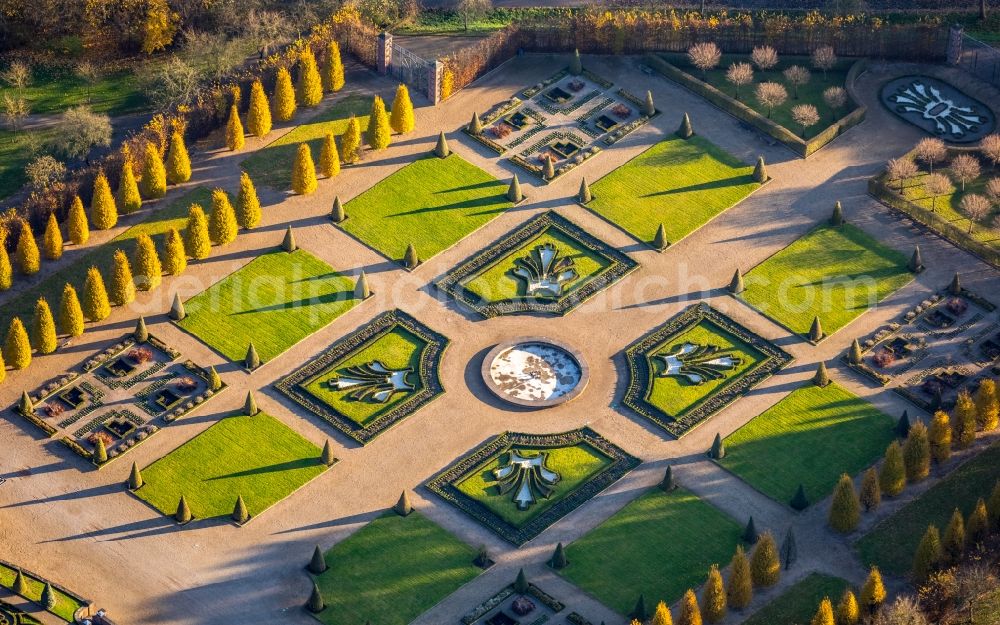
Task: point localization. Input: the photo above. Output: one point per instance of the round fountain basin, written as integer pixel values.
(535, 372)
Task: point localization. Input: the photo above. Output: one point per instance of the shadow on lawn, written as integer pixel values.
(471, 203)
(291, 465)
(721, 183)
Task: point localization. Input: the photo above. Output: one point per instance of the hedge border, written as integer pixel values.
(293, 385)
(84, 603)
(452, 282)
(443, 484)
(637, 353)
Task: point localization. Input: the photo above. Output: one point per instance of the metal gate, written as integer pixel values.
(410, 68)
(980, 59)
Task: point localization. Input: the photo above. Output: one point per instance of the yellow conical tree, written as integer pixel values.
(234, 130)
(964, 423)
(333, 69)
(43, 328)
(3, 368)
(309, 91)
(174, 256)
(845, 508)
(197, 243)
(122, 289)
(739, 587)
(26, 254)
(662, 615)
(848, 612)
(284, 96)
(402, 120)
(350, 141)
(96, 306)
(178, 161)
(70, 313)
(824, 615)
(303, 171)
(873, 590)
(79, 230)
(713, 597)
(987, 405)
(6, 271)
(329, 159)
(379, 133)
(259, 113)
(128, 198)
(52, 243)
(17, 347)
(765, 567)
(939, 436)
(154, 175)
(222, 228)
(148, 271)
(247, 204)
(690, 612)
(103, 212)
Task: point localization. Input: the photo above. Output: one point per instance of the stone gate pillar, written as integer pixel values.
(953, 53)
(435, 72)
(383, 52)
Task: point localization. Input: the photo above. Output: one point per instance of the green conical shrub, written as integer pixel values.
(928, 554)
(799, 501)
(639, 612)
(252, 360)
(326, 456)
(288, 241)
(750, 535)
(475, 126)
(315, 604)
(845, 508)
(521, 583)
(955, 288)
(855, 355)
(668, 483)
(403, 506)
(441, 150)
(760, 170)
(317, 564)
(361, 289)
(20, 585)
(837, 218)
(789, 550)
(514, 190)
(240, 513)
(214, 381)
(135, 478)
(736, 285)
(660, 241)
(26, 408)
(410, 258)
(100, 455)
(816, 333)
(822, 376)
(183, 514)
(558, 559)
(250, 405)
(892, 474)
(177, 311)
(916, 264)
(583, 195)
(337, 213)
(739, 586)
(685, 131)
(718, 450)
(48, 598)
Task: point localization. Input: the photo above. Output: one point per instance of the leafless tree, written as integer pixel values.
(900, 169)
(739, 74)
(976, 207)
(930, 150)
(771, 95)
(17, 75)
(965, 168)
(470, 10)
(903, 611)
(764, 57)
(993, 191)
(174, 83)
(705, 56)
(213, 55)
(79, 130)
(44, 171)
(15, 111)
(937, 185)
(805, 115)
(824, 59)
(89, 73)
(990, 146)
(797, 76)
(266, 29)
(835, 98)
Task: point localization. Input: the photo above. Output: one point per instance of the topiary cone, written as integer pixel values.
(288, 243)
(760, 170)
(177, 308)
(816, 330)
(361, 288)
(660, 241)
(250, 405)
(903, 425)
(639, 612)
(475, 126)
(799, 502)
(315, 603)
(100, 455)
(855, 356)
(668, 483)
(549, 169)
(521, 583)
(837, 218)
(240, 513)
(252, 360)
(955, 288)
(403, 507)
(514, 190)
(317, 564)
(410, 257)
(183, 514)
(140, 333)
(25, 407)
(916, 264)
(337, 214)
(214, 381)
(135, 478)
(736, 285)
(718, 450)
(441, 150)
(649, 109)
(48, 598)
(584, 196)
(558, 560)
(750, 535)
(20, 586)
(327, 456)
(822, 377)
(685, 130)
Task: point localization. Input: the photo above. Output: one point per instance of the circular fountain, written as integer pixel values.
(535, 372)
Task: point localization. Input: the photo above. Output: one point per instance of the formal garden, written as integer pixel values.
(798, 603)
(54, 599)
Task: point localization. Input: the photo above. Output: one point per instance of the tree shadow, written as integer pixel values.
(291, 465)
(704, 186)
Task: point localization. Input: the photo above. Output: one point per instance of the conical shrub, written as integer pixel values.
(350, 141)
(148, 271)
(317, 564)
(765, 568)
(928, 554)
(685, 130)
(309, 91)
(315, 604)
(122, 285)
(736, 285)
(177, 311)
(337, 213)
(401, 119)
(326, 456)
(17, 346)
(583, 195)
(178, 160)
(259, 113)
(20, 585)
(845, 508)
(760, 171)
(575, 63)
(103, 211)
(917, 454)
(514, 190)
(916, 264)
(871, 490)
(304, 171)
(70, 312)
(558, 559)
(48, 598)
(222, 226)
(214, 381)
(939, 437)
(288, 242)
(855, 355)
(361, 288)
(252, 360)
(100, 455)
(739, 587)
(153, 183)
(475, 126)
(329, 158)
(135, 478)
(639, 611)
(77, 227)
(410, 257)
(873, 590)
(248, 213)
(837, 218)
(892, 474)
(660, 241)
(183, 514)
(953, 540)
(43, 328)
(197, 243)
(713, 597)
(789, 550)
(333, 68)
(816, 333)
(822, 376)
(234, 131)
(824, 615)
(690, 611)
(240, 513)
(6, 270)
(26, 254)
(668, 483)
(441, 150)
(403, 506)
(96, 306)
(799, 501)
(848, 611)
(379, 133)
(284, 96)
(521, 584)
(250, 405)
(955, 287)
(718, 450)
(52, 241)
(750, 535)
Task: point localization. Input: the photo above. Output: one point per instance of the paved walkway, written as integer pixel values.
(54, 510)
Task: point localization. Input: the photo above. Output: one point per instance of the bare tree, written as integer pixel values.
(89, 73)
(993, 191)
(797, 76)
(835, 98)
(937, 185)
(266, 29)
(44, 171)
(771, 95)
(900, 169)
(976, 207)
(15, 111)
(903, 611)
(930, 150)
(213, 55)
(470, 10)
(705, 56)
(173, 84)
(17, 75)
(764, 57)
(805, 115)
(824, 59)
(739, 74)
(965, 168)
(990, 147)
(79, 130)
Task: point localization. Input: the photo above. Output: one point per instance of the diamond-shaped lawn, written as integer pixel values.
(547, 265)
(394, 342)
(583, 461)
(695, 364)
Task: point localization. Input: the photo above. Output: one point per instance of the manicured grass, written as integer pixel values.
(392, 570)
(892, 543)
(65, 605)
(659, 545)
(675, 395)
(948, 207)
(834, 273)
(681, 184)
(258, 457)
(16, 151)
(432, 203)
(810, 437)
(398, 349)
(498, 282)
(10, 615)
(282, 297)
(798, 604)
(575, 465)
(54, 89)
(154, 223)
(272, 165)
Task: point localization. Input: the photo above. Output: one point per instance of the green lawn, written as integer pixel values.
(432, 203)
(14, 616)
(659, 545)
(272, 165)
(153, 222)
(675, 395)
(892, 543)
(810, 437)
(575, 465)
(65, 605)
(258, 457)
(54, 89)
(681, 184)
(16, 151)
(393, 570)
(835, 273)
(398, 349)
(798, 604)
(948, 206)
(498, 282)
(284, 297)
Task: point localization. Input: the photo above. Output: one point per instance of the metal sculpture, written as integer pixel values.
(698, 363)
(372, 381)
(527, 477)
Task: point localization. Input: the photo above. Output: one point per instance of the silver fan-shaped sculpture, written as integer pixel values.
(544, 272)
(372, 381)
(527, 477)
(947, 116)
(698, 363)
